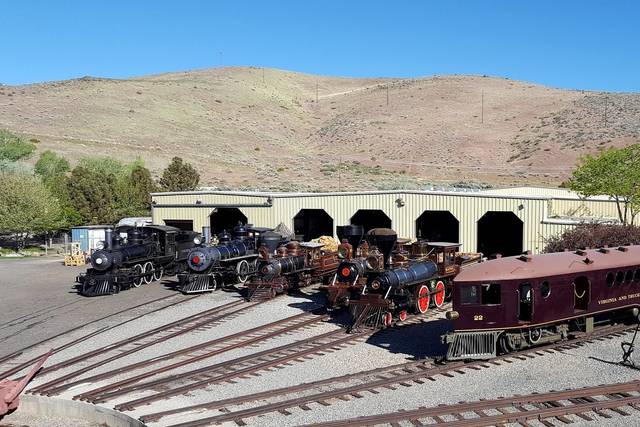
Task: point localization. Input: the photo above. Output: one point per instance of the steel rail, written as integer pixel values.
(31, 361)
(317, 346)
(546, 405)
(201, 320)
(115, 389)
(404, 379)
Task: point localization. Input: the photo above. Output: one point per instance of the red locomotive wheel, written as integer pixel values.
(388, 319)
(422, 303)
(402, 316)
(438, 298)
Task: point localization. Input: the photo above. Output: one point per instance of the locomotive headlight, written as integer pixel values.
(372, 263)
(197, 240)
(98, 261)
(100, 245)
(342, 252)
(452, 315)
(375, 285)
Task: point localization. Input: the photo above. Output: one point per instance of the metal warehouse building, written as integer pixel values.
(506, 221)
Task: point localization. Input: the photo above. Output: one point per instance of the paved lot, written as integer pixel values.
(38, 301)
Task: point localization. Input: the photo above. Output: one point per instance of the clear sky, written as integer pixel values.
(570, 44)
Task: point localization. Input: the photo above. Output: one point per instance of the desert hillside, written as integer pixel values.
(263, 128)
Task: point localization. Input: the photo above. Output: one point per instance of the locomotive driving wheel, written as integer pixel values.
(439, 296)
(243, 271)
(148, 272)
(422, 299)
(157, 274)
(138, 279)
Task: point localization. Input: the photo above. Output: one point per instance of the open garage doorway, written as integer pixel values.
(371, 218)
(500, 233)
(312, 223)
(438, 226)
(225, 219)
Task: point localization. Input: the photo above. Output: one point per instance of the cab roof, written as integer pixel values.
(523, 267)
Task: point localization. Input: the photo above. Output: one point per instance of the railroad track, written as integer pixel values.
(192, 354)
(17, 367)
(391, 377)
(125, 347)
(566, 406)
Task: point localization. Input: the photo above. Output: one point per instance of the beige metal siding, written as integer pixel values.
(539, 215)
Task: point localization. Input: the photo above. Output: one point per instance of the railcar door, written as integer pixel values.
(525, 296)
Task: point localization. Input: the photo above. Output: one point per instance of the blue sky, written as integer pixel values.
(572, 44)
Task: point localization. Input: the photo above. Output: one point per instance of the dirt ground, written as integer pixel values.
(38, 301)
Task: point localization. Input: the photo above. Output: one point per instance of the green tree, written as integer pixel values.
(179, 176)
(93, 195)
(615, 173)
(27, 207)
(134, 190)
(14, 148)
(50, 165)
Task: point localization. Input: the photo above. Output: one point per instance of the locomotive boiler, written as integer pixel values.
(516, 302)
(132, 256)
(290, 266)
(232, 261)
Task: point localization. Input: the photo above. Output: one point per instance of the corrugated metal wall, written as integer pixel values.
(468, 208)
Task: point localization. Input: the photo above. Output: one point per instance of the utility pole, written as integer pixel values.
(316, 92)
(387, 94)
(340, 175)
(606, 99)
(482, 108)
(263, 75)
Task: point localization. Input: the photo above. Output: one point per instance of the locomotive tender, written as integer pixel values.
(231, 261)
(516, 302)
(388, 279)
(133, 256)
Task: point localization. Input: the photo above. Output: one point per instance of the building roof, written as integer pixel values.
(526, 267)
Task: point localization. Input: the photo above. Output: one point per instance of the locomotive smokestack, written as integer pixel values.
(108, 238)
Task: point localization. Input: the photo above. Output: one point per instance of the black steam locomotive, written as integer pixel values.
(390, 279)
(232, 261)
(132, 256)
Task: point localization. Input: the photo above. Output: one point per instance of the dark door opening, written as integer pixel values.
(581, 293)
(438, 226)
(312, 223)
(370, 219)
(526, 302)
(182, 224)
(500, 233)
(225, 219)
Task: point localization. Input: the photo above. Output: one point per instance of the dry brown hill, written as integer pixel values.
(262, 128)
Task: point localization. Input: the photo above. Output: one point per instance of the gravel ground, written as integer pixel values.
(584, 366)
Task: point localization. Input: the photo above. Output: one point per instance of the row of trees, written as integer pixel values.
(53, 196)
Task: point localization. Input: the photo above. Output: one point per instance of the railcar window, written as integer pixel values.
(469, 295)
(609, 279)
(491, 293)
(487, 293)
(545, 289)
(637, 275)
(629, 276)
(619, 277)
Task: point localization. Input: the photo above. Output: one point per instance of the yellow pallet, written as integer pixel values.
(74, 260)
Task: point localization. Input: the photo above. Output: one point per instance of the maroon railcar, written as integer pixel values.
(516, 302)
